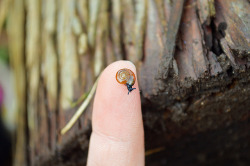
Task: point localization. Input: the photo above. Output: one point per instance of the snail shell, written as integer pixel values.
(125, 76)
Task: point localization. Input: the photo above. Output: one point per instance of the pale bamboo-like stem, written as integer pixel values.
(80, 110)
(4, 6)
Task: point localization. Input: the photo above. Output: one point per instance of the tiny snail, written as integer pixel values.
(126, 77)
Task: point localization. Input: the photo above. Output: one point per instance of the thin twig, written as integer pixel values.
(80, 110)
(152, 151)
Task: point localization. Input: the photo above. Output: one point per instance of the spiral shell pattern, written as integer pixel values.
(125, 76)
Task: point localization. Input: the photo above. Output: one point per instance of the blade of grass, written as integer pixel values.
(80, 110)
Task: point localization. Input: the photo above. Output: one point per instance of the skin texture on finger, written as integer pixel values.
(117, 138)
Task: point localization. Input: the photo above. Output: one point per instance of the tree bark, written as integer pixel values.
(193, 60)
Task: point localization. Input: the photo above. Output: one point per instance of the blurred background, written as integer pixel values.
(193, 65)
(8, 106)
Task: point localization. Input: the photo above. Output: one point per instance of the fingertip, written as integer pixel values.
(117, 120)
(113, 102)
